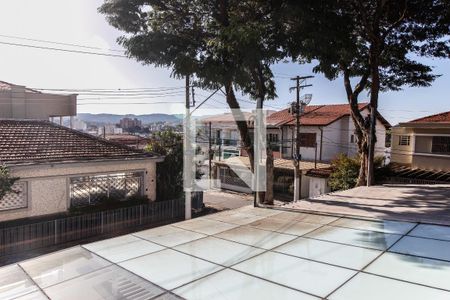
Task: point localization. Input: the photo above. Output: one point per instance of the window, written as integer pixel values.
(16, 199)
(308, 140)
(404, 140)
(95, 189)
(272, 138)
(352, 138)
(441, 145)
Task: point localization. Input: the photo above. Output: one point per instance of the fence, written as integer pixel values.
(59, 231)
(403, 180)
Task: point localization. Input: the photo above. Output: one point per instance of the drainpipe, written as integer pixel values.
(321, 143)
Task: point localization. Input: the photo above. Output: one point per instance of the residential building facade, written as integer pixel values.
(423, 143)
(20, 102)
(60, 168)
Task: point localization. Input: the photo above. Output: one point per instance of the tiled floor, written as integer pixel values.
(247, 253)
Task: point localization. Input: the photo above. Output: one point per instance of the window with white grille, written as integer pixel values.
(16, 199)
(95, 189)
(404, 140)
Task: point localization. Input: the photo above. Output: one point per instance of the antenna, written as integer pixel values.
(306, 99)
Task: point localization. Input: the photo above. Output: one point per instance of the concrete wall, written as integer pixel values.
(20, 104)
(318, 186)
(48, 185)
(431, 162)
(401, 154)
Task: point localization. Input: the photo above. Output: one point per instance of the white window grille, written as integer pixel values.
(404, 140)
(16, 199)
(95, 189)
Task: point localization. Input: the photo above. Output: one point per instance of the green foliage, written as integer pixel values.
(355, 36)
(169, 173)
(6, 181)
(217, 41)
(346, 170)
(345, 173)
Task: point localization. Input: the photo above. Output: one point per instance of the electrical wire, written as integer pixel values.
(58, 43)
(63, 50)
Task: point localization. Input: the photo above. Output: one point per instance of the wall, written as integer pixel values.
(431, 162)
(19, 104)
(401, 154)
(48, 185)
(318, 186)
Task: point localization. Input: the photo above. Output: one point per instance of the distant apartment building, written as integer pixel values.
(423, 143)
(127, 123)
(20, 102)
(106, 129)
(60, 168)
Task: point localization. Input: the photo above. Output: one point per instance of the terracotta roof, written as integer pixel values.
(34, 141)
(278, 163)
(320, 173)
(438, 118)
(318, 115)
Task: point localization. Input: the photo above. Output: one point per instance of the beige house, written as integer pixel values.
(61, 168)
(423, 143)
(20, 102)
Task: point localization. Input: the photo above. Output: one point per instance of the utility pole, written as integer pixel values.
(187, 155)
(297, 109)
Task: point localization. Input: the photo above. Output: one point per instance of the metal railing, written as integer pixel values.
(32, 236)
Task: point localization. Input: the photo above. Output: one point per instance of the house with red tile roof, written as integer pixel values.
(60, 168)
(423, 143)
(325, 131)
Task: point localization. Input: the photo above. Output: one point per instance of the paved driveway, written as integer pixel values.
(416, 203)
(222, 200)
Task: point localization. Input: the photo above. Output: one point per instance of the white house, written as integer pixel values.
(61, 168)
(325, 131)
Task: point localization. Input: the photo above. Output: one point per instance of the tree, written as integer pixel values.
(6, 181)
(223, 43)
(169, 173)
(375, 43)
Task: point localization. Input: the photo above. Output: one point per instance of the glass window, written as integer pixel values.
(307, 140)
(16, 199)
(95, 189)
(441, 145)
(404, 140)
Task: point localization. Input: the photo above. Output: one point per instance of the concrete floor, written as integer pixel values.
(416, 203)
(223, 200)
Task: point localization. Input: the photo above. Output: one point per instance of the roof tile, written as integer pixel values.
(34, 141)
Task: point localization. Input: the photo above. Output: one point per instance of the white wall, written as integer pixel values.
(48, 185)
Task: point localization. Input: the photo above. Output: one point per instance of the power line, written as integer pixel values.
(63, 50)
(112, 89)
(59, 43)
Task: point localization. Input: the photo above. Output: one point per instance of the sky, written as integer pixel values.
(78, 22)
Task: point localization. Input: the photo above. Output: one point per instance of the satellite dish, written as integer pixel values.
(306, 99)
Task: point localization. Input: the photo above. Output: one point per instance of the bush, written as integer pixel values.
(345, 173)
(346, 170)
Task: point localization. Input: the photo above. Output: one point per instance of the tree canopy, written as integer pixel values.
(223, 43)
(375, 44)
